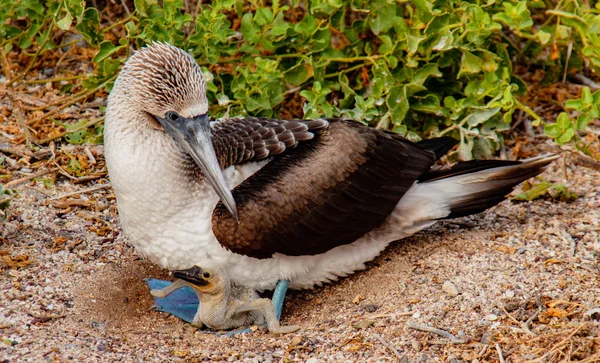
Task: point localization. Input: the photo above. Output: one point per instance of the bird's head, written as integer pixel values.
(161, 90)
(161, 78)
(206, 281)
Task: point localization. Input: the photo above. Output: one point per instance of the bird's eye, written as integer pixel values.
(172, 116)
(206, 275)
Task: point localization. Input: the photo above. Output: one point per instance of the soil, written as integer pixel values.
(516, 283)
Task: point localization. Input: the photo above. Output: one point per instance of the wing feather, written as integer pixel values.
(325, 193)
(237, 141)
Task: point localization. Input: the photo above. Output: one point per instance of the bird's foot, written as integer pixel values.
(279, 296)
(182, 302)
(169, 298)
(284, 329)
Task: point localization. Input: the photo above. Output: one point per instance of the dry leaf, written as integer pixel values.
(180, 353)
(506, 249)
(358, 298)
(553, 261)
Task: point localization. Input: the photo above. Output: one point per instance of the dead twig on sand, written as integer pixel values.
(29, 177)
(440, 332)
(586, 162)
(525, 325)
(500, 356)
(388, 346)
(82, 191)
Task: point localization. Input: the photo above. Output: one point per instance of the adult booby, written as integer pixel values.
(313, 200)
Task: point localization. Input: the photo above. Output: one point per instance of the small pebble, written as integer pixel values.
(370, 308)
(312, 360)
(485, 338)
(491, 317)
(363, 324)
(449, 288)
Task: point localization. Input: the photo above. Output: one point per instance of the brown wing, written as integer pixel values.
(327, 192)
(239, 140)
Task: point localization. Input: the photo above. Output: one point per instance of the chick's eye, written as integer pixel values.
(206, 275)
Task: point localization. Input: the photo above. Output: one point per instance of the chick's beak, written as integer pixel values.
(194, 136)
(192, 275)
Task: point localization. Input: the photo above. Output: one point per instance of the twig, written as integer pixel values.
(586, 81)
(510, 316)
(587, 162)
(82, 191)
(6, 148)
(388, 346)
(566, 236)
(433, 330)
(499, 353)
(29, 177)
(69, 203)
(569, 50)
(90, 156)
(525, 325)
(557, 345)
(56, 79)
(71, 100)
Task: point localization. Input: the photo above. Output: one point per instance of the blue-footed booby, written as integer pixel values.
(307, 201)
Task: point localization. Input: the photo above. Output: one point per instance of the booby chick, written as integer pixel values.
(313, 200)
(224, 306)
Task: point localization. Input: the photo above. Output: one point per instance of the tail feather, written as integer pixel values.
(439, 145)
(472, 187)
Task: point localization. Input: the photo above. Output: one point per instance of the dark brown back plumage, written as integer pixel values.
(329, 192)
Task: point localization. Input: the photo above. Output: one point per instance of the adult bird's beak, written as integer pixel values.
(194, 136)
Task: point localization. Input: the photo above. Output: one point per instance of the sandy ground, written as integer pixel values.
(516, 283)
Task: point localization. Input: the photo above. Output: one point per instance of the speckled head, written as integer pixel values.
(158, 79)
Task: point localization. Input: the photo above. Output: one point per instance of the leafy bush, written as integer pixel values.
(421, 68)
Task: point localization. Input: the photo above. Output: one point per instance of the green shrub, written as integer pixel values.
(420, 68)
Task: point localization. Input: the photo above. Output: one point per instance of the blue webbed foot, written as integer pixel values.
(183, 303)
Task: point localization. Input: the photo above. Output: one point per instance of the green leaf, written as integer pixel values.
(263, 16)
(250, 29)
(465, 150)
(298, 74)
(397, 102)
(65, 22)
(479, 117)
(563, 122)
(423, 10)
(552, 130)
(566, 136)
(107, 49)
(383, 18)
(517, 17)
(586, 96)
(469, 64)
(545, 189)
(307, 26)
(582, 121)
(89, 26)
(537, 191)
